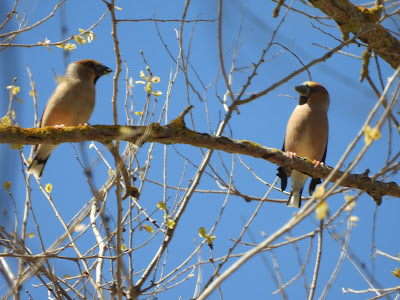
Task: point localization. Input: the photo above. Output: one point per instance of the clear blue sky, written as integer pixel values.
(262, 121)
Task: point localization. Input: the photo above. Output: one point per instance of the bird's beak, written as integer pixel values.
(303, 90)
(102, 70)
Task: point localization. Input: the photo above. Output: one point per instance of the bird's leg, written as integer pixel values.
(291, 154)
(317, 163)
(59, 126)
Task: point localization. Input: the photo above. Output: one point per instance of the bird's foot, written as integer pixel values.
(317, 163)
(84, 124)
(59, 126)
(291, 154)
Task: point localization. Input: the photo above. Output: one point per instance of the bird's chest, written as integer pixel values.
(306, 134)
(71, 104)
(81, 97)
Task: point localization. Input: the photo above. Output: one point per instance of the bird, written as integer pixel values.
(306, 136)
(71, 104)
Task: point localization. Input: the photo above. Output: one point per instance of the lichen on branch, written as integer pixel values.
(177, 133)
(351, 18)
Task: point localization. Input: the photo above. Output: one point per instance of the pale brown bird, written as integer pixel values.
(306, 136)
(71, 104)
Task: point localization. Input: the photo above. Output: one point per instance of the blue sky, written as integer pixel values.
(262, 121)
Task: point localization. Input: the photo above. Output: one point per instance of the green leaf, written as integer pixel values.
(202, 232)
(171, 224)
(148, 228)
(161, 205)
(7, 185)
(48, 187)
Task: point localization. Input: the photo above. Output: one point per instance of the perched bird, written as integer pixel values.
(306, 136)
(71, 104)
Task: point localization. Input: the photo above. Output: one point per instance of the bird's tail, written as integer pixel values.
(297, 182)
(294, 199)
(36, 167)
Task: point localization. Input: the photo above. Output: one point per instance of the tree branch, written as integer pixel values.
(177, 133)
(352, 18)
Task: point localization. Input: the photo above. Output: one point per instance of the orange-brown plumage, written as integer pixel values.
(71, 104)
(306, 135)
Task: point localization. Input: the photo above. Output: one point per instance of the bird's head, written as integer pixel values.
(88, 69)
(314, 94)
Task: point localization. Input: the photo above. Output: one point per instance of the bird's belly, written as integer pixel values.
(308, 141)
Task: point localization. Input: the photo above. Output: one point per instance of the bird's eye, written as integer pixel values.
(311, 89)
(90, 64)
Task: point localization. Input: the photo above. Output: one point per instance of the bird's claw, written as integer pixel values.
(291, 154)
(59, 126)
(317, 163)
(84, 124)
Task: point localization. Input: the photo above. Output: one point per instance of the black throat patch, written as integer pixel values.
(303, 100)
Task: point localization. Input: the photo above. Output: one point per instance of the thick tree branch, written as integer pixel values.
(177, 133)
(351, 19)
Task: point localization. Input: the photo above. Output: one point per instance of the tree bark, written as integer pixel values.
(351, 18)
(177, 133)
